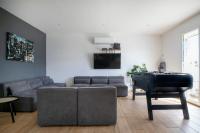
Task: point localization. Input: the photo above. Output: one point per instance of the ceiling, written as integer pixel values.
(103, 16)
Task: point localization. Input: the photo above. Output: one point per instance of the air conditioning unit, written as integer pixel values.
(103, 40)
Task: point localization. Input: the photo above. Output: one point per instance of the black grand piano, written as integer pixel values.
(163, 85)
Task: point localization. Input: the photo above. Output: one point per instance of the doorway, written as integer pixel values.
(190, 63)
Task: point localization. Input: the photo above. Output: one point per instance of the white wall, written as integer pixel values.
(172, 43)
(71, 54)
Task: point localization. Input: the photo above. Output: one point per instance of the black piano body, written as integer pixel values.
(163, 85)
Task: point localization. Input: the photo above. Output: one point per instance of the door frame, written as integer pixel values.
(182, 52)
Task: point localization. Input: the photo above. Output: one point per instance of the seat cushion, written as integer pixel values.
(82, 80)
(100, 80)
(116, 80)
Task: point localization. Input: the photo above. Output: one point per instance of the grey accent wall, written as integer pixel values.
(14, 70)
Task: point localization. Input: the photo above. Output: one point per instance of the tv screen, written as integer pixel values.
(107, 61)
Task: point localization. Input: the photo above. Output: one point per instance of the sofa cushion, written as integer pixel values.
(82, 80)
(116, 79)
(35, 83)
(47, 80)
(100, 80)
(17, 86)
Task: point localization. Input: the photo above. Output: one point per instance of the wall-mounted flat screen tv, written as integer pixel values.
(107, 61)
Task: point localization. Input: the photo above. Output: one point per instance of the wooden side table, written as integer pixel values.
(10, 100)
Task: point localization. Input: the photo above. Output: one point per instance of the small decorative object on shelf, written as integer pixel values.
(107, 50)
(110, 50)
(162, 65)
(116, 46)
(104, 50)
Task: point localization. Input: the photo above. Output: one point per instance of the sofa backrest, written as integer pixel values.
(26, 84)
(116, 80)
(99, 80)
(82, 80)
(17, 86)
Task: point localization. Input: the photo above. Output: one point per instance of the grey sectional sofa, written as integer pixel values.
(95, 81)
(77, 106)
(26, 91)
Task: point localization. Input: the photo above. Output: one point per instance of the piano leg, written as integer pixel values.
(184, 105)
(149, 106)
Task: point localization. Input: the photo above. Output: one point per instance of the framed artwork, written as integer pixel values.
(19, 48)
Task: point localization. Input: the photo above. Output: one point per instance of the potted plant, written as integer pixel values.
(137, 69)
